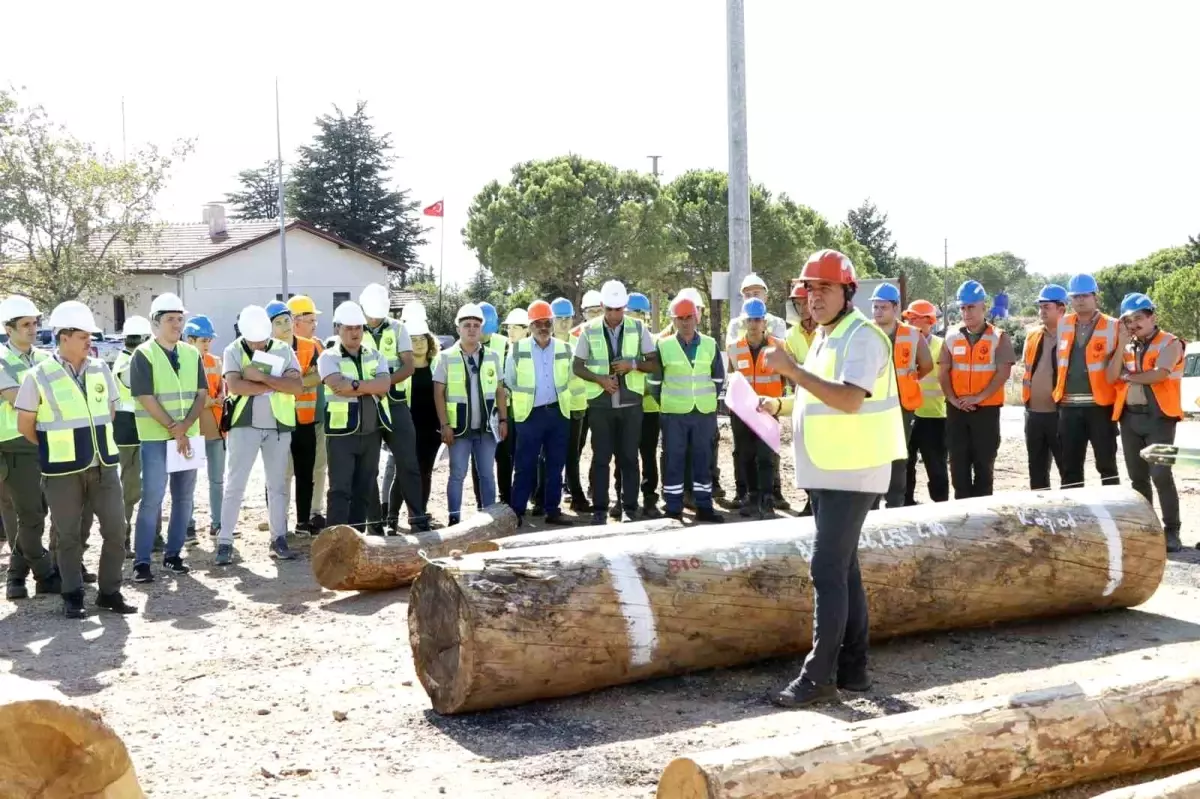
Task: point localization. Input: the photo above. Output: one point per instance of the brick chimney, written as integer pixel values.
(214, 217)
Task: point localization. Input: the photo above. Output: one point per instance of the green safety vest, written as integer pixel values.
(798, 341)
(16, 368)
(125, 400)
(283, 405)
(839, 441)
(74, 424)
(344, 414)
(598, 360)
(688, 385)
(385, 345)
(458, 396)
(175, 392)
(933, 399)
(523, 392)
(578, 386)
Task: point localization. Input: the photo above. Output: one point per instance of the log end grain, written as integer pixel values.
(482, 546)
(335, 554)
(440, 634)
(683, 779)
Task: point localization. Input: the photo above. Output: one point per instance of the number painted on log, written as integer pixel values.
(1062, 524)
(741, 558)
(677, 565)
(885, 538)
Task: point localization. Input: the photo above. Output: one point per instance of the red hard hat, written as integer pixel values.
(683, 307)
(539, 311)
(829, 265)
(799, 291)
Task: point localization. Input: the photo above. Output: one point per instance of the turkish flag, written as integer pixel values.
(435, 209)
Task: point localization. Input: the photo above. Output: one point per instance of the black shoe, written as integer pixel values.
(50, 584)
(599, 517)
(558, 520)
(689, 501)
(176, 565)
(614, 512)
(709, 516)
(302, 528)
(375, 529)
(452, 520)
(856, 680)
(538, 510)
(650, 511)
(628, 515)
(520, 520)
(317, 522)
(141, 573)
(73, 605)
(581, 506)
(749, 506)
(676, 515)
(1173, 542)
(115, 603)
(780, 502)
(421, 525)
(88, 577)
(718, 492)
(766, 508)
(802, 693)
(16, 590)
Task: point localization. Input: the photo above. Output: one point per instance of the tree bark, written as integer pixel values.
(1184, 785)
(502, 628)
(345, 560)
(51, 749)
(1021, 745)
(567, 534)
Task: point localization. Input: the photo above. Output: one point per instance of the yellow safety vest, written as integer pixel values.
(125, 400)
(523, 392)
(458, 395)
(175, 392)
(16, 368)
(386, 346)
(933, 399)
(577, 385)
(74, 424)
(798, 341)
(598, 361)
(344, 414)
(283, 405)
(840, 441)
(688, 385)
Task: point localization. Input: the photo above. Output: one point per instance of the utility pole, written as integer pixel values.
(123, 157)
(739, 165)
(946, 282)
(282, 222)
(654, 164)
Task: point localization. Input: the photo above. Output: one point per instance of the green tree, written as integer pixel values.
(258, 195)
(997, 272)
(70, 217)
(869, 226)
(923, 281)
(1177, 298)
(1117, 281)
(1193, 249)
(441, 317)
(340, 184)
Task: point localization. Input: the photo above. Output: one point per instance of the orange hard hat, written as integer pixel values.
(921, 308)
(829, 265)
(799, 291)
(539, 311)
(683, 307)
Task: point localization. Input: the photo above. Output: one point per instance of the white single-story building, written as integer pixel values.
(219, 266)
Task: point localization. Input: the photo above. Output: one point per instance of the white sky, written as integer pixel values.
(1062, 130)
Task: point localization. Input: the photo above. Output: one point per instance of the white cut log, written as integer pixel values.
(564, 535)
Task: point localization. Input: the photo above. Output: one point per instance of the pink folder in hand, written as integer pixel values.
(741, 400)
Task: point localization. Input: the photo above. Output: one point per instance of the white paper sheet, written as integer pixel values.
(273, 363)
(178, 463)
(740, 399)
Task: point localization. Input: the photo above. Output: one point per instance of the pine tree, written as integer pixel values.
(340, 185)
(258, 197)
(870, 230)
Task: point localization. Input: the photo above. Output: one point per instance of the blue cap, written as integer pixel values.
(1134, 302)
(277, 308)
(1082, 284)
(563, 308)
(886, 292)
(638, 302)
(971, 291)
(754, 308)
(1053, 293)
(199, 326)
(491, 320)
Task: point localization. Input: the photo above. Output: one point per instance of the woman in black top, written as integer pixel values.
(420, 400)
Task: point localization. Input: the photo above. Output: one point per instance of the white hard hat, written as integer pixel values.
(73, 315)
(375, 301)
(613, 294)
(591, 300)
(469, 311)
(166, 303)
(517, 316)
(349, 313)
(417, 327)
(413, 311)
(751, 281)
(691, 294)
(137, 326)
(254, 324)
(14, 306)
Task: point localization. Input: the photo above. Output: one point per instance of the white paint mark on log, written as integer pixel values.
(635, 607)
(1112, 536)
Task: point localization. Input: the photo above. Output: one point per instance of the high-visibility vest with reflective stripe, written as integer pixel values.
(214, 378)
(798, 341)
(1099, 349)
(904, 358)
(15, 367)
(125, 400)
(307, 350)
(1033, 343)
(577, 384)
(175, 392)
(1166, 392)
(765, 381)
(344, 414)
(523, 392)
(933, 399)
(688, 385)
(598, 361)
(385, 345)
(283, 406)
(973, 367)
(835, 440)
(74, 423)
(458, 394)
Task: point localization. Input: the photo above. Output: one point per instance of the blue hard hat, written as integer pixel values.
(1082, 284)
(277, 308)
(1053, 293)
(638, 302)
(971, 291)
(199, 326)
(491, 319)
(562, 307)
(754, 308)
(1134, 302)
(886, 292)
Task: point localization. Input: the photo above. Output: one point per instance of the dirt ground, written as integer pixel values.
(228, 683)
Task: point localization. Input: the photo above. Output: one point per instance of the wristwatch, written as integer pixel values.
(354, 385)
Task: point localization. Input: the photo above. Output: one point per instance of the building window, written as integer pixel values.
(279, 296)
(339, 297)
(119, 314)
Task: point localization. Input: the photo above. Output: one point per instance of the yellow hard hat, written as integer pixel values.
(301, 304)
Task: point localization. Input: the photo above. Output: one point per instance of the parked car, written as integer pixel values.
(104, 347)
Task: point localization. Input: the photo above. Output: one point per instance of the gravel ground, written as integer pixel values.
(252, 681)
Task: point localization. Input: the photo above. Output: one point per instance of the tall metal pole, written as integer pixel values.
(739, 165)
(442, 261)
(282, 222)
(654, 164)
(946, 280)
(123, 156)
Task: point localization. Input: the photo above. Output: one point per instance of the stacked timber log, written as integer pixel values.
(566, 535)
(502, 628)
(1022, 745)
(51, 748)
(345, 560)
(1185, 785)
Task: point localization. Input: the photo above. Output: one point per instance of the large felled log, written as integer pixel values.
(1022, 745)
(51, 749)
(345, 560)
(1185, 785)
(501, 628)
(568, 534)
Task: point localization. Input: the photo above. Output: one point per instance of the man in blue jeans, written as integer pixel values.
(166, 377)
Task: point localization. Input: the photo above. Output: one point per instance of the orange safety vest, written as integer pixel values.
(307, 350)
(1166, 392)
(212, 372)
(1033, 343)
(765, 381)
(1099, 350)
(904, 356)
(972, 368)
